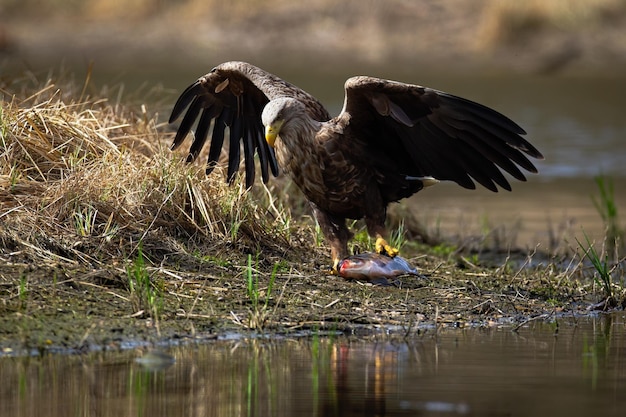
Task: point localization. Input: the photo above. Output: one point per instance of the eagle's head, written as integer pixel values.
(282, 115)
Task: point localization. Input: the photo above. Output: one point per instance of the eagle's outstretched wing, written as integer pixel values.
(233, 95)
(416, 132)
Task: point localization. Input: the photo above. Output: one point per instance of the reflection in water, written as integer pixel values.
(577, 367)
(156, 360)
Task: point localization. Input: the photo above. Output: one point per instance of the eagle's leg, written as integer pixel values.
(376, 229)
(335, 232)
(383, 247)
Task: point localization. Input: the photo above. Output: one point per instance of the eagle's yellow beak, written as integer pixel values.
(272, 131)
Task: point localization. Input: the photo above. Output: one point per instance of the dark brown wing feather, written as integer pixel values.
(416, 131)
(233, 95)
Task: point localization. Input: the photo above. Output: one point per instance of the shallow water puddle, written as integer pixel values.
(565, 368)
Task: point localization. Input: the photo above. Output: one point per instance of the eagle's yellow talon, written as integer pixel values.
(391, 251)
(383, 247)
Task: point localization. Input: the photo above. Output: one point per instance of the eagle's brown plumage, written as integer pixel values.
(389, 141)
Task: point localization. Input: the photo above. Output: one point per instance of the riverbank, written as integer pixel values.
(107, 238)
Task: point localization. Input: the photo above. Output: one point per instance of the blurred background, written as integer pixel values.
(533, 36)
(556, 67)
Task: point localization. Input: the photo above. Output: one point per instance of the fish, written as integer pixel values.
(375, 268)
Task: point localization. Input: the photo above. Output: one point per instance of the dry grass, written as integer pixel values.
(82, 180)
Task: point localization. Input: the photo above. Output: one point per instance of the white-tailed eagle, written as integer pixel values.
(390, 140)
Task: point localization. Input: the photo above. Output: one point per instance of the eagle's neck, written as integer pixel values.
(297, 144)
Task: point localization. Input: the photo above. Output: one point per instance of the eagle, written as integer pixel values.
(389, 141)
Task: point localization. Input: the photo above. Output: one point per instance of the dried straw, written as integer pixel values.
(83, 180)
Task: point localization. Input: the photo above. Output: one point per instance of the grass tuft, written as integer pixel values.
(260, 312)
(606, 207)
(602, 268)
(145, 294)
(82, 180)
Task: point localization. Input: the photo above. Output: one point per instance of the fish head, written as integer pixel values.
(367, 265)
(353, 265)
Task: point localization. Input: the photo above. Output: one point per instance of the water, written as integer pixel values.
(572, 367)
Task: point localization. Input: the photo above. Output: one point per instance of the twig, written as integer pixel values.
(525, 322)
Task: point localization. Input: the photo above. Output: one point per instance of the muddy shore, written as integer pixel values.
(61, 292)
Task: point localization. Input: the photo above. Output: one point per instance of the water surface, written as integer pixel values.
(569, 367)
